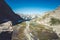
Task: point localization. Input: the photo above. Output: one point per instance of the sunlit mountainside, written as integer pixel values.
(36, 27)
(29, 25)
(44, 27)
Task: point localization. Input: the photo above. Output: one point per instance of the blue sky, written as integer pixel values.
(32, 6)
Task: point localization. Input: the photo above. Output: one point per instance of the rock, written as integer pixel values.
(6, 35)
(6, 14)
(7, 19)
(6, 31)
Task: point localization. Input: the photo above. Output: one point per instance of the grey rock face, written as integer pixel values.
(6, 31)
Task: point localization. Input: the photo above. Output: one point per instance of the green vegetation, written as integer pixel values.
(38, 30)
(45, 16)
(42, 33)
(20, 34)
(54, 21)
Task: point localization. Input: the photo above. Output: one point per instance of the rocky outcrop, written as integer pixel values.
(6, 14)
(7, 19)
(6, 31)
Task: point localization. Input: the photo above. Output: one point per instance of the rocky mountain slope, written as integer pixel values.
(46, 27)
(52, 19)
